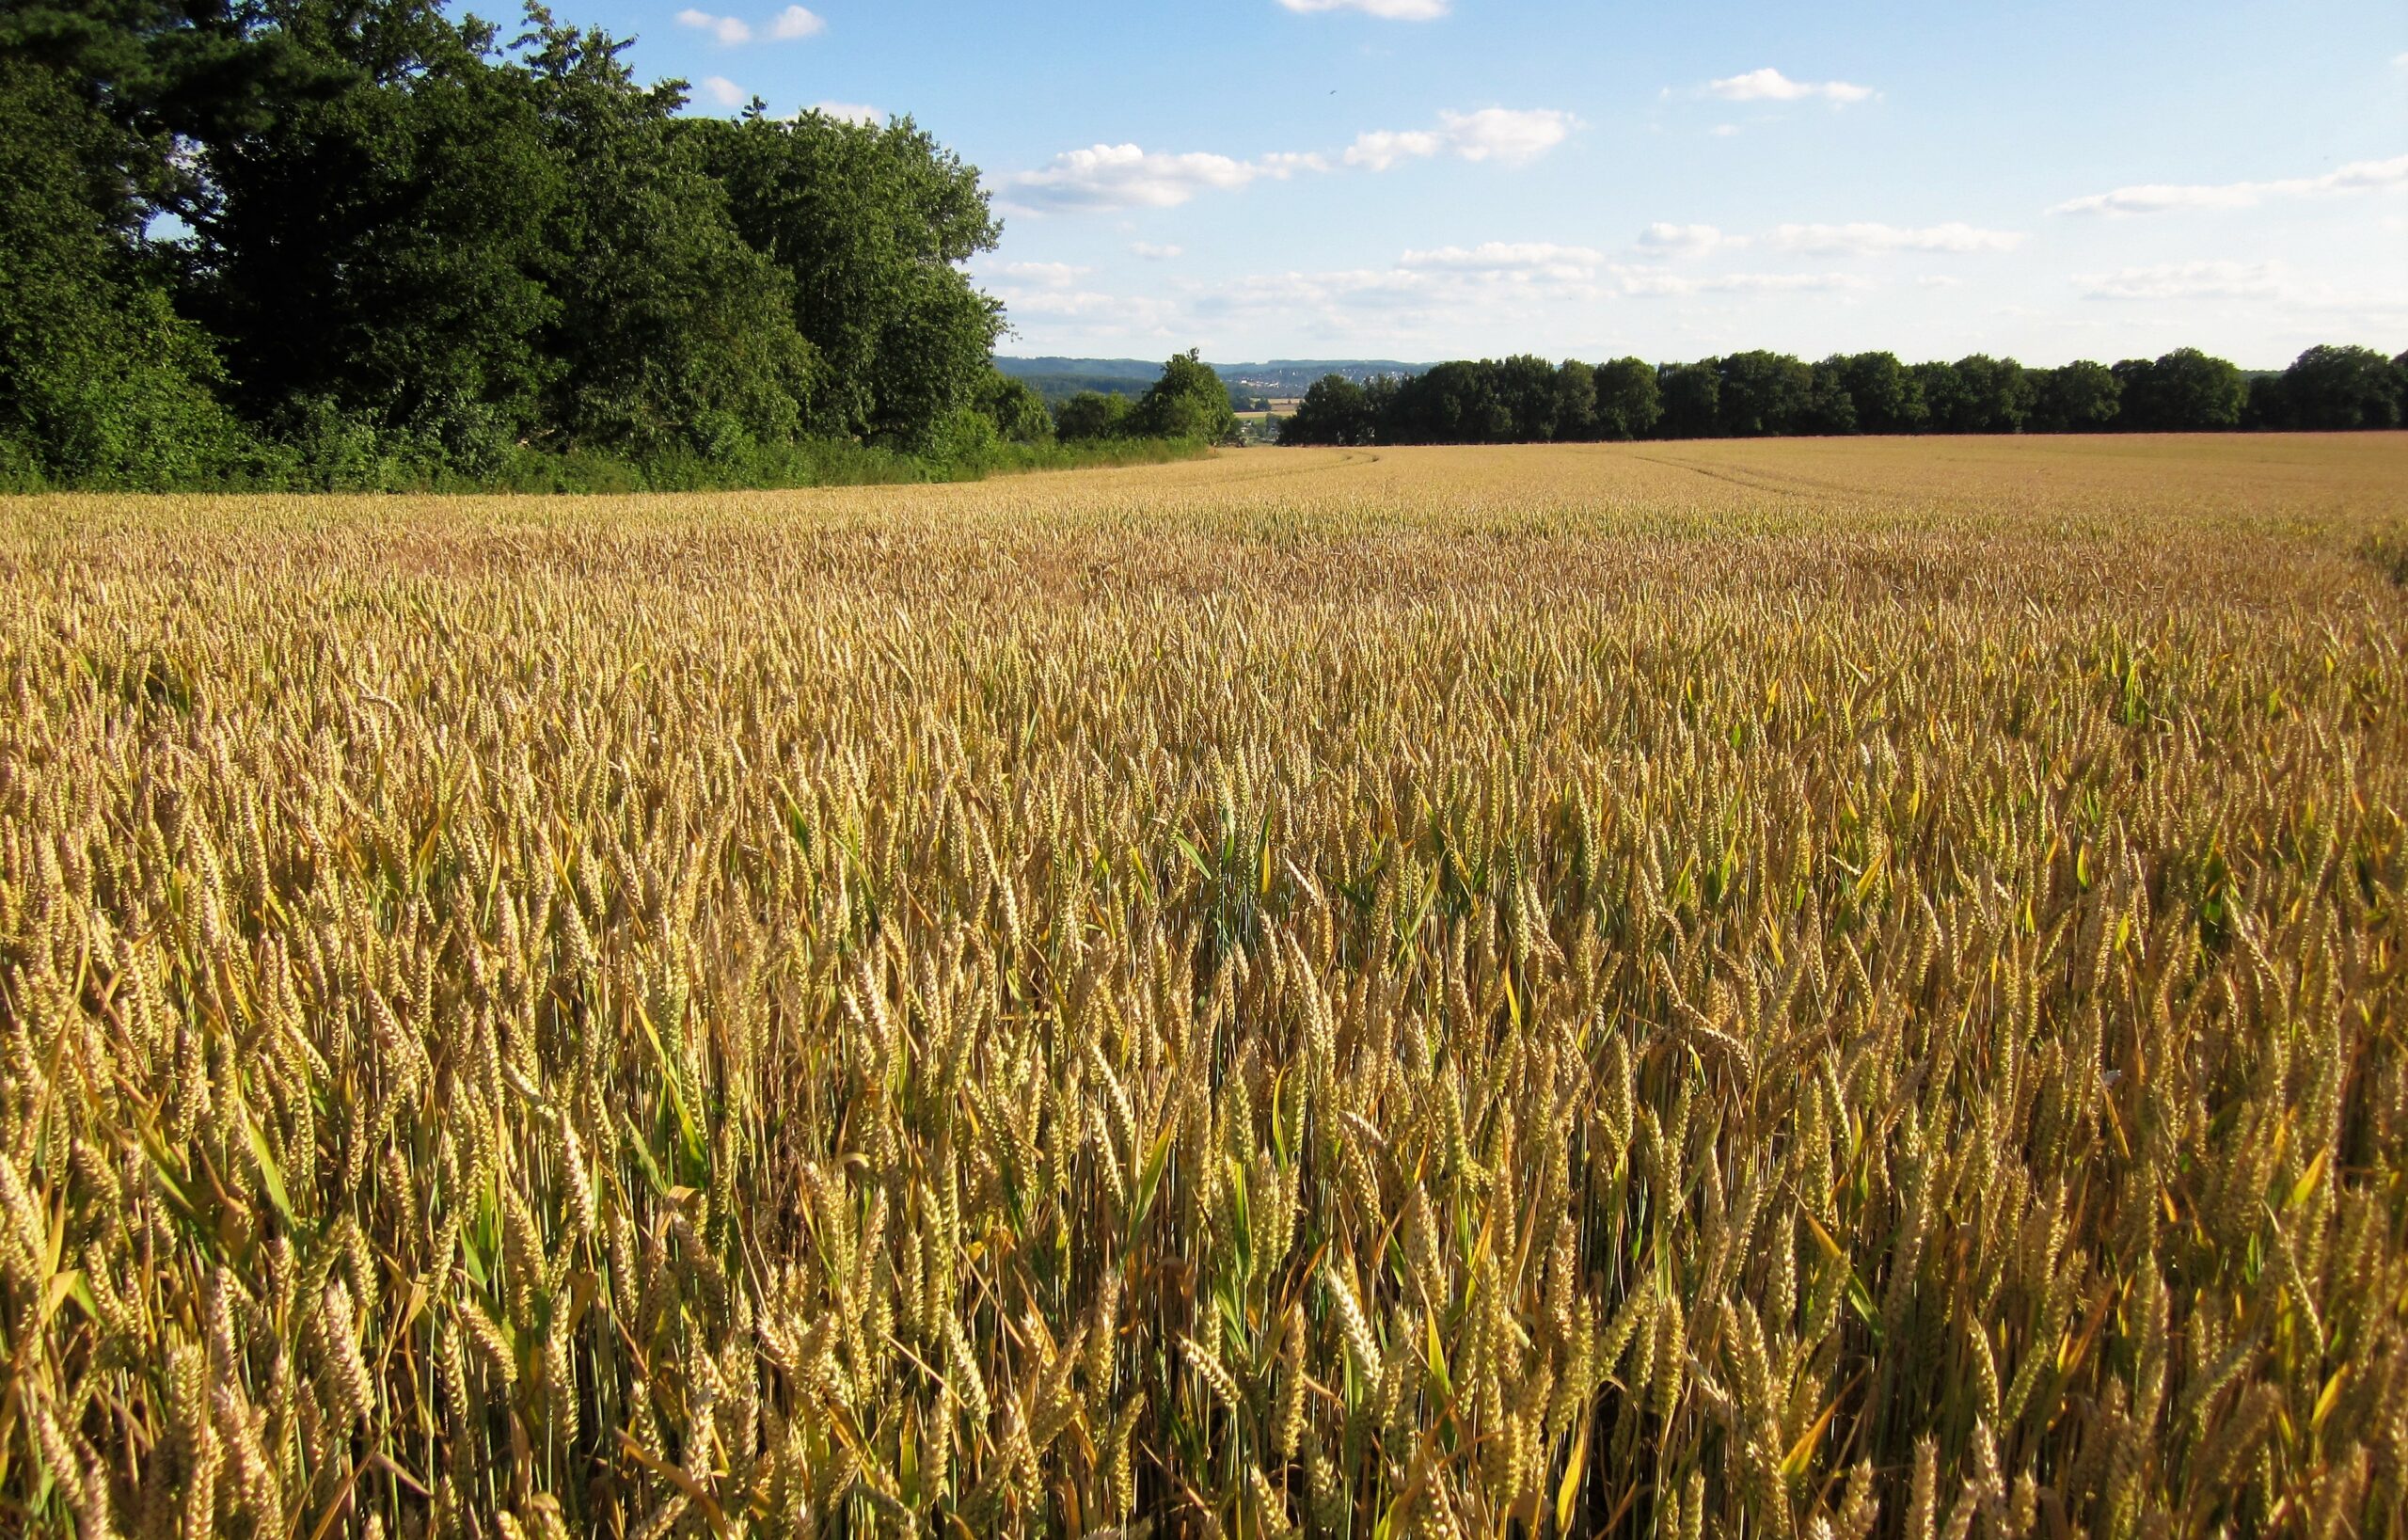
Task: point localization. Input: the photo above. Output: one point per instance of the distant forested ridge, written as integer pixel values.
(1748, 395)
(1274, 377)
(369, 244)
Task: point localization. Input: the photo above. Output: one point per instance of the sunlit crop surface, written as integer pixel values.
(1820, 989)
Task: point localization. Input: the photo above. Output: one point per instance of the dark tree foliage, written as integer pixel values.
(1830, 408)
(2183, 391)
(1760, 394)
(2335, 388)
(1188, 402)
(868, 223)
(2082, 397)
(1015, 408)
(1692, 398)
(1335, 410)
(101, 382)
(379, 245)
(1452, 403)
(1575, 400)
(1883, 394)
(398, 240)
(1526, 389)
(1090, 415)
(1985, 395)
(1629, 402)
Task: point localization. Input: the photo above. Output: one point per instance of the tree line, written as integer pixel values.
(362, 243)
(1758, 394)
(1188, 402)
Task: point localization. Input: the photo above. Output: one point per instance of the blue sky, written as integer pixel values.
(1424, 178)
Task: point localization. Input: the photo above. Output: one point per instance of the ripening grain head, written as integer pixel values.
(1667, 990)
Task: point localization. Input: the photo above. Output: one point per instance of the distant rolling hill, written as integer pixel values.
(1058, 379)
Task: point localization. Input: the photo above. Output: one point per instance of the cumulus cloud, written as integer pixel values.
(1684, 240)
(792, 22)
(1386, 11)
(723, 90)
(1050, 275)
(1505, 134)
(1509, 258)
(2158, 198)
(728, 29)
(851, 111)
(1127, 176)
(1383, 147)
(1154, 253)
(1657, 281)
(2213, 280)
(1771, 84)
(1873, 239)
(1124, 176)
(1577, 271)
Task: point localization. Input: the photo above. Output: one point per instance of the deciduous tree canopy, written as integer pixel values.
(320, 240)
(1759, 394)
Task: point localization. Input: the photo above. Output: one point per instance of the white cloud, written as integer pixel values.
(1383, 147)
(2214, 280)
(794, 22)
(2275, 288)
(1123, 176)
(1515, 260)
(723, 90)
(1939, 280)
(1153, 253)
(1386, 11)
(1771, 84)
(851, 111)
(1660, 281)
(1126, 176)
(1871, 239)
(1724, 131)
(2157, 197)
(1505, 134)
(1051, 275)
(728, 29)
(1684, 240)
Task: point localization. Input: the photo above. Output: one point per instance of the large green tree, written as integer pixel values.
(1762, 393)
(870, 224)
(2080, 397)
(1985, 395)
(673, 333)
(1335, 410)
(1188, 402)
(101, 383)
(2341, 388)
(379, 243)
(1629, 403)
(1091, 415)
(1525, 387)
(2182, 391)
(1692, 399)
(1883, 394)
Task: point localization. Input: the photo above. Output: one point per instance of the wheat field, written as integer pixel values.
(1820, 989)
